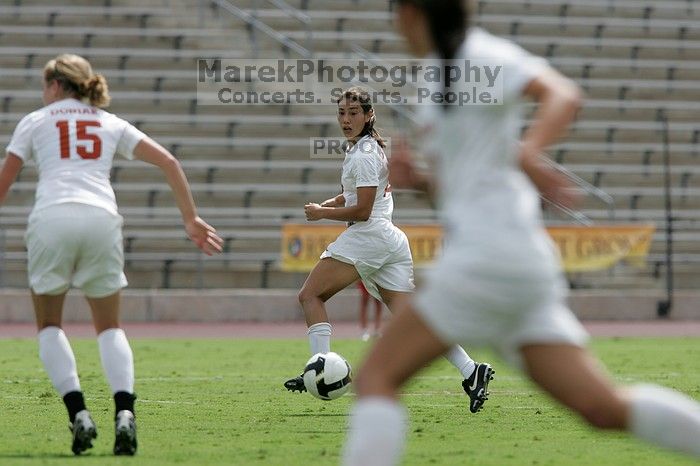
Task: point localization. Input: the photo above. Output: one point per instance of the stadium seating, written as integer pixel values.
(250, 165)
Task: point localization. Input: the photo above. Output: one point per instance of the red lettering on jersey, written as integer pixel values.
(63, 138)
(82, 134)
(71, 111)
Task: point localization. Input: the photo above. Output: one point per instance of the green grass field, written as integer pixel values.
(221, 402)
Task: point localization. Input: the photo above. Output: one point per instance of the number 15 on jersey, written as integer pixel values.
(88, 144)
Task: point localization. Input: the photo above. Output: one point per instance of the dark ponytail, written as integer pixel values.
(448, 21)
(358, 94)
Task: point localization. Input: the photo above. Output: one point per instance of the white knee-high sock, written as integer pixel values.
(461, 360)
(665, 418)
(117, 360)
(320, 338)
(59, 361)
(376, 433)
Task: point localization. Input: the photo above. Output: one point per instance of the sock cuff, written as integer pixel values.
(110, 334)
(382, 406)
(641, 395)
(50, 332)
(321, 328)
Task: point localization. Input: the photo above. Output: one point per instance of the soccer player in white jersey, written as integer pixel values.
(74, 230)
(372, 249)
(498, 282)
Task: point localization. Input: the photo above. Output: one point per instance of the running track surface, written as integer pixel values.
(659, 328)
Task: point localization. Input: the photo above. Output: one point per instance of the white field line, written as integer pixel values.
(27, 397)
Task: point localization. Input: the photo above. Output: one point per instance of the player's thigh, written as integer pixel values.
(328, 277)
(406, 346)
(394, 279)
(572, 376)
(51, 255)
(100, 270)
(391, 298)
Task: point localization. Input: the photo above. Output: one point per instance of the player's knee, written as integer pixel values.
(304, 296)
(307, 295)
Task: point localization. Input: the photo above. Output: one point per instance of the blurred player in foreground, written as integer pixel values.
(499, 280)
(74, 232)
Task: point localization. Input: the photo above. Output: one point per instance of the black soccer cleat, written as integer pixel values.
(477, 386)
(295, 384)
(84, 431)
(125, 434)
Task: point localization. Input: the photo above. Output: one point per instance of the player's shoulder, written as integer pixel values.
(367, 146)
(34, 117)
(482, 44)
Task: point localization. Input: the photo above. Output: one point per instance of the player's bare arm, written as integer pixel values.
(337, 201)
(10, 169)
(559, 100)
(359, 212)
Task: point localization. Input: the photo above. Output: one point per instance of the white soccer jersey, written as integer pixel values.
(365, 165)
(73, 145)
(490, 209)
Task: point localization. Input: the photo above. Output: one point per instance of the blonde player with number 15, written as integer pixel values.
(74, 231)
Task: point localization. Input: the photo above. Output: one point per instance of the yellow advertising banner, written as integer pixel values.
(585, 249)
(582, 248)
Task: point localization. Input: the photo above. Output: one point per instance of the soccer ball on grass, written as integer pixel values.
(327, 376)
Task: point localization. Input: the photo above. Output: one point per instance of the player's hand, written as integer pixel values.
(402, 171)
(204, 236)
(552, 184)
(313, 211)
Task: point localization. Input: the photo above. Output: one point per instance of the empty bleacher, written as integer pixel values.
(250, 165)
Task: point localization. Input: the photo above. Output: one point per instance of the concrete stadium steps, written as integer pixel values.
(162, 273)
(583, 68)
(626, 53)
(634, 9)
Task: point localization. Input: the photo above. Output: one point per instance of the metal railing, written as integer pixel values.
(254, 24)
(295, 13)
(586, 187)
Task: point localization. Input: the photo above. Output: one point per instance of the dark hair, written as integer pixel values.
(448, 21)
(358, 94)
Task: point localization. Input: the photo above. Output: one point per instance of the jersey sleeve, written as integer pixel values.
(131, 136)
(367, 169)
(520, 68)
(21, 141)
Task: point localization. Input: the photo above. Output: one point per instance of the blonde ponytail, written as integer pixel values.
(75, 76)
(96, 91)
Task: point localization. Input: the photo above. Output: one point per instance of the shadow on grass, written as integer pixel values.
(52, 455)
